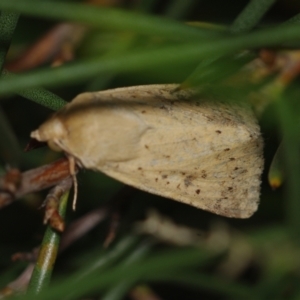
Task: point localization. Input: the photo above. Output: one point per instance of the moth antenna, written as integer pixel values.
(72, 165)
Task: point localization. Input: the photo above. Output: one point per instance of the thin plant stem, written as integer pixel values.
(8, 23)
(39, 95)
(109, 18)
(9, 146)
(291, 144)
(139, 60)
(251, 15)
(47, 255)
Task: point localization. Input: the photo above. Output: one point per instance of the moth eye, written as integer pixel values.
(54, 146)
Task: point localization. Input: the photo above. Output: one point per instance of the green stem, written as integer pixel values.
(8, 23)
(9, 146)
(47, 255)
(154, 58)
(168, 262)
(178, 9)
(108, 18)
(118, 291)
(291, 145)
(251, 15)
(39, 95)
(43, 97)
(226, 288)
(294, 20)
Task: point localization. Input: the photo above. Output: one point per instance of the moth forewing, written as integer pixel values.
(167, 142)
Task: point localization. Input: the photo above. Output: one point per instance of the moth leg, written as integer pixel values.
(72, 167)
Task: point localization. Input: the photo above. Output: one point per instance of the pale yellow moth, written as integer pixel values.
(165, 141)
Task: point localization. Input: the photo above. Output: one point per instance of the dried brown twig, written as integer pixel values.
(32, 181)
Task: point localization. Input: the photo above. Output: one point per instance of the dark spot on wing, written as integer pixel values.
(217, 207)
(188, 180)
(198, 192)
(218, 131)
(245, 192)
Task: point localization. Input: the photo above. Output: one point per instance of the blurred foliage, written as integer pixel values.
(144, 42)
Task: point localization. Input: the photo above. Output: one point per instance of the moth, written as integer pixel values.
(165, 141)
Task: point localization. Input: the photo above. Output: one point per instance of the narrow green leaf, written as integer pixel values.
(39, 95)
(9, 146)
(251, 15)
(139, 60)
(208, 283)
(8, 23)
(108, 18)
(289, 122)
(42, 272)
(276, 172)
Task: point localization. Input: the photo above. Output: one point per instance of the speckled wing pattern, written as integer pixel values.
(203, 153)
(207, 154)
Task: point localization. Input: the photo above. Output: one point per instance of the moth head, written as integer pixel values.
(52, 131)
